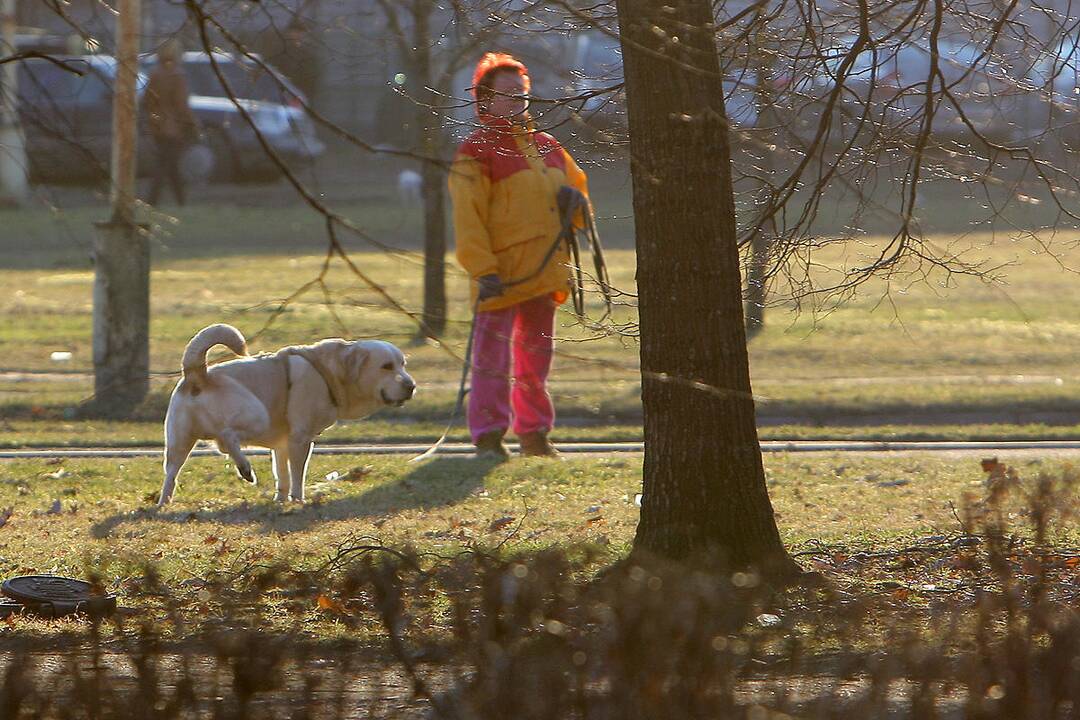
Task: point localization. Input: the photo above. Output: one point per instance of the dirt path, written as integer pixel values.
(1046, 448)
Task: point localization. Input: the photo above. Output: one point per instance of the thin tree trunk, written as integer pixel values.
(761, 242)
(704, 484)
(755, 283)
(433, 190)
(121, 252)
(434, 198)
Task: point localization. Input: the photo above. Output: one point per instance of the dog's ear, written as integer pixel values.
(355, 361)
(332, 353)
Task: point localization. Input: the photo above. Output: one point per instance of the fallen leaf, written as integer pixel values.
(5, 515)
(55, 508)
(326, 603)
(55, 461)
(210, 539)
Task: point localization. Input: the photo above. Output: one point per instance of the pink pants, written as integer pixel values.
(525, 333)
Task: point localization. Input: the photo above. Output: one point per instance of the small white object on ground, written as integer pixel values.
(60, 356)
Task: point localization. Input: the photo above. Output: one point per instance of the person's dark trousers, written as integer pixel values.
(167, 169)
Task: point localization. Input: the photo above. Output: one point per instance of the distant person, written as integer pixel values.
(172, 125)
(410, 188)
(504, 185)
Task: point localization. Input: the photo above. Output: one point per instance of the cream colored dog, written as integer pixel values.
(281, 401)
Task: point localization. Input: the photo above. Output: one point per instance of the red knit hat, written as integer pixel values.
(492, 62)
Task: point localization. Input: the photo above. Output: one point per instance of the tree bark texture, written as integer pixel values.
(704, 484)
(121, 319)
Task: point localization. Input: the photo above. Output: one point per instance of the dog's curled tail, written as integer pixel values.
(194, 362)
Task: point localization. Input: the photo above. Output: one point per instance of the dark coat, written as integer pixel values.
(165, 103)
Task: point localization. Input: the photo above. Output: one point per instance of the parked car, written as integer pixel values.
(274, 104)
(1055, 76)
(892, 83)
(28, 39)
(66, 113)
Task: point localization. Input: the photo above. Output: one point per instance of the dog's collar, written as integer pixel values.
(337, 392)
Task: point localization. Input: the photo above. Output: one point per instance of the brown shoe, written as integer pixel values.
(490, 446)
(537, 444)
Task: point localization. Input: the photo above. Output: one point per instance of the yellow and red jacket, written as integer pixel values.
(503, 185)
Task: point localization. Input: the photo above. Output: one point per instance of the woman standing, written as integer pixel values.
(503, 185)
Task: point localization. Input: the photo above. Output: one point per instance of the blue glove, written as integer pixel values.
(489, 286)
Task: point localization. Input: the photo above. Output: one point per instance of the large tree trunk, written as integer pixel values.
(433, 186)
(704, 485)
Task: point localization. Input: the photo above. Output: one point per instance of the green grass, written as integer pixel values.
(951, 356)
(105, 522)
(966, 354)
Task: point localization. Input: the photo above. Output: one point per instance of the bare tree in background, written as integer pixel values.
(432, 60)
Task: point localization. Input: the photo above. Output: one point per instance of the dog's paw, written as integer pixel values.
(247, 473)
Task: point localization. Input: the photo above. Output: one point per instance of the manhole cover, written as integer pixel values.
(55, 596)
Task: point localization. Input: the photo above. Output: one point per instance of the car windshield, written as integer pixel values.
(246, 80)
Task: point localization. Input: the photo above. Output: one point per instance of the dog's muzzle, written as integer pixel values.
(409, 389)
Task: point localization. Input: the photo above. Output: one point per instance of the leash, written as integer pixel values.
(570, 200)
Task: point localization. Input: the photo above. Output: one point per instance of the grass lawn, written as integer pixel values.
(953, 358)
(76, 515)
(912, 356)
(948, 358)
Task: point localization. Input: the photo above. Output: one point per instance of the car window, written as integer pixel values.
(43, 84)
(202, 80)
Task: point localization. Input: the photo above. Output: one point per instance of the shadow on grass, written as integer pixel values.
(436, 483)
